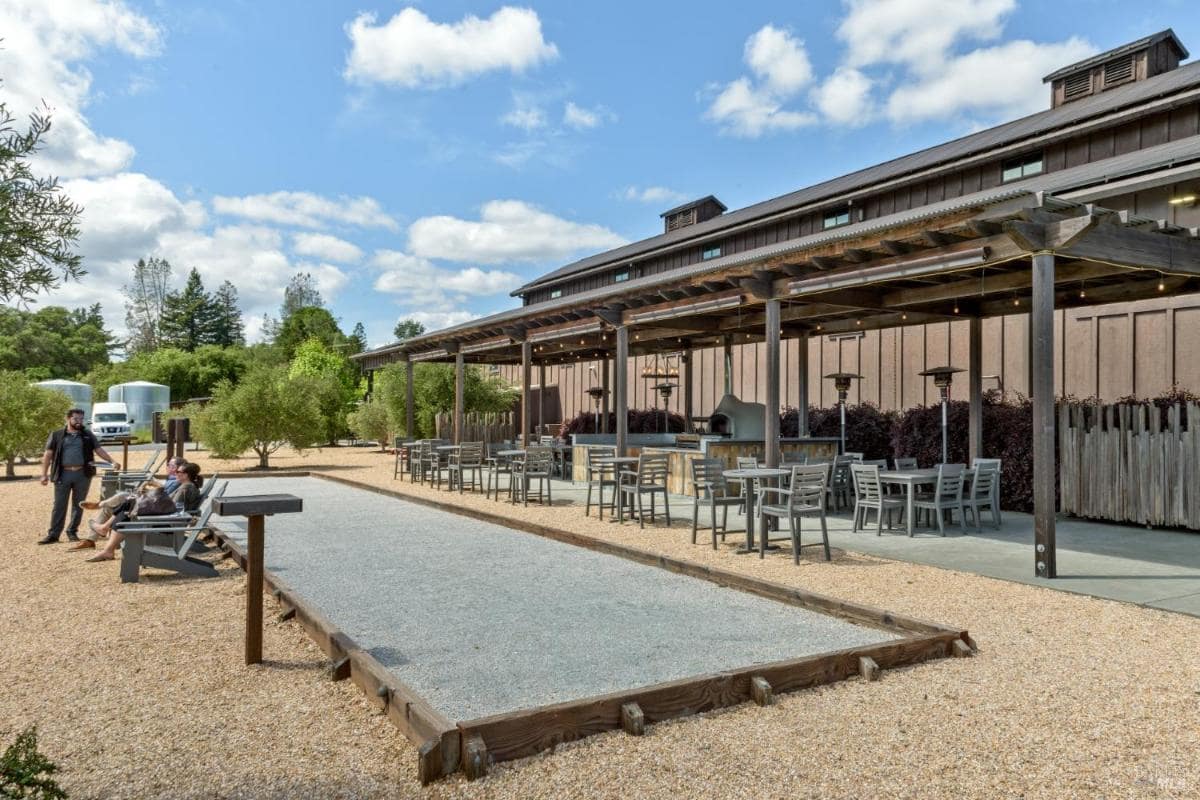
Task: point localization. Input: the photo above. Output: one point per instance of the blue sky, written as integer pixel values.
(425, 159)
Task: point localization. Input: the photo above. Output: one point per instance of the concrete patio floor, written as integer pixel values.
(1152, 568)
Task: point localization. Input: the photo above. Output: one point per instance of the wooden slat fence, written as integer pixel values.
(480, 426)
(1122, 463)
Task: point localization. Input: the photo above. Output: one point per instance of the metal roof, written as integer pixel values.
(1117, 52)
(1098, 172)
(1010, 132)
(693, 204)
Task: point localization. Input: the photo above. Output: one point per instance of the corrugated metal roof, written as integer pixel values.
(1117, 52)
(1097, 172)
(1044, 121)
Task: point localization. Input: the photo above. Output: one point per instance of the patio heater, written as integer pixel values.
(597, 394)
(664, 391)
(667, 377)
(942, 378)
(841, 382)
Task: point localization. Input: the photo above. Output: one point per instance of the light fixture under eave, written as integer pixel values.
(897, 269)
(1184, 200)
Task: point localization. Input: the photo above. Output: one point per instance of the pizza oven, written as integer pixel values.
(738, 420)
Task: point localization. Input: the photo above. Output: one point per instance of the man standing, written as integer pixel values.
(69, 462)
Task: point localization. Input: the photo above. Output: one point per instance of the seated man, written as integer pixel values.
(186, 496)
(110, 504)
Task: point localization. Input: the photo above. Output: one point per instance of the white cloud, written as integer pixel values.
(527, 118)
(844, 97)
(413, 51)
(306, 210)
(1002, 82)
(322, 245)
(652, 194)
(507, 231)
(752, 107)
(434, 295)
(917, 33)
(44, 45)
(436, 320)
(580, 118)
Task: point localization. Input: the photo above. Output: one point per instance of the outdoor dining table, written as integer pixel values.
(616, 462)
(748, 476)
(910, 479)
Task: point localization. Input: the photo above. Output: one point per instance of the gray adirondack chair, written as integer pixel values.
(164, 552)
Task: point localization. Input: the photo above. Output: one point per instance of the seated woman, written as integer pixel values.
(186, 496)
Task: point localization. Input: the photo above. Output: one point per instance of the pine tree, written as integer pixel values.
(189, 317)
(407, 328)
(228, 329)
(145, 297)
(301, 292)
(358, 339)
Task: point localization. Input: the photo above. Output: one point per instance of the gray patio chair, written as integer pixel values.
(805, 496)
(978, 462)
(746, 462)
(983, 494)
(869, 496)
(600, 477)
(946, 497)
(650, 478)
(137, 552)
(433, 461)
(466, 461)
(403, 458)
(495, 466)
(905, 463)
(537, 467)
(710, 488)
(841, 488)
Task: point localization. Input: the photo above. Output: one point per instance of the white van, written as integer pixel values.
(110, 421)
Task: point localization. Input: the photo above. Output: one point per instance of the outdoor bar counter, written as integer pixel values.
(727, 449)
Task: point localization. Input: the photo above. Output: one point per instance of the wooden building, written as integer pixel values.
(1002, 251)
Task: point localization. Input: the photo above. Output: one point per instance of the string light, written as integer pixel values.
(1082, 291)
(904, 316)
(1161, 286)
(955, 306)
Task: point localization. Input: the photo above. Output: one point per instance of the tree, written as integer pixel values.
(145, 297)
(189, 318)
(27, 415)
(188, 375)
(371, 421)
(262, 412)
(40, 224)
(228, 329)
(433, 394)
(308, 323)
(335, 379)
(301, 292)
(54, 342)
(358, 339)
(407, 329)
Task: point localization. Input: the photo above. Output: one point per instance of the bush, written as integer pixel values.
(25, 773)
(370, 421)
(868, 428)
(640, 420)
(263, 412)
(433, 394)
(27, 415)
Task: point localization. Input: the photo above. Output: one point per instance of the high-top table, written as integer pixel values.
(748, 476)
(616, 462)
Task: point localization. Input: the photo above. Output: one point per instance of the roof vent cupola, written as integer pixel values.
(1135, 61)
(692, 213)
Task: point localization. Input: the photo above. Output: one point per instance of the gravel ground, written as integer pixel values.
(139, 691)
(480, 619)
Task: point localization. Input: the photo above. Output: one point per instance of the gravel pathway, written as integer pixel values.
(482, 619)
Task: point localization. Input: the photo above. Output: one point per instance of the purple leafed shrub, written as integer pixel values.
(639, 421)
(868, 428)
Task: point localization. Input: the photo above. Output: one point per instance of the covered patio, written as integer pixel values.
(972, 257)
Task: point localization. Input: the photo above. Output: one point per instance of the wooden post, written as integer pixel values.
(170, 426)
(802, 376)
(606, 385)
(370, 383)
(727, 348)
(1042, 327)
(868, 668)
(975, 384)
(409, 406)
(685, 377)
(621, 381)
(526, 368)
(633, 721)
(771, 423)
(459, 402)
(254, 588)
(761, 692)
(125, 454)
(541, 399)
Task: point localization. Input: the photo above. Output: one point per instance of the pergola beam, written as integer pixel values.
(1016, 280)
(1137, 249)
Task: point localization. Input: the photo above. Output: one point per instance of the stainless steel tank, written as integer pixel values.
(142, 399)
(80, 394)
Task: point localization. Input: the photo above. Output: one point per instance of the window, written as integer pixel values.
(555, 294)
(1022, 167)
(621, 276)
(711, 252)
(835, 218)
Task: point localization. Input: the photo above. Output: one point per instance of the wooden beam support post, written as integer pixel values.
(975, 384)
(254, 588)
(475, 758)
(1042, 329)
(802, 385)
(761, 692)
(410, 412)
(771, 423)
(727, 349)
(621, 387)
(541, 406)
(685, 377)
(459, 401)
(868, 669)
(605, 398)
(633, 721)
(526, 368)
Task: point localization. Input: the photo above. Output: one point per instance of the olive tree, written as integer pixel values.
(371, 421)
(27, 415)
(264, 411)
